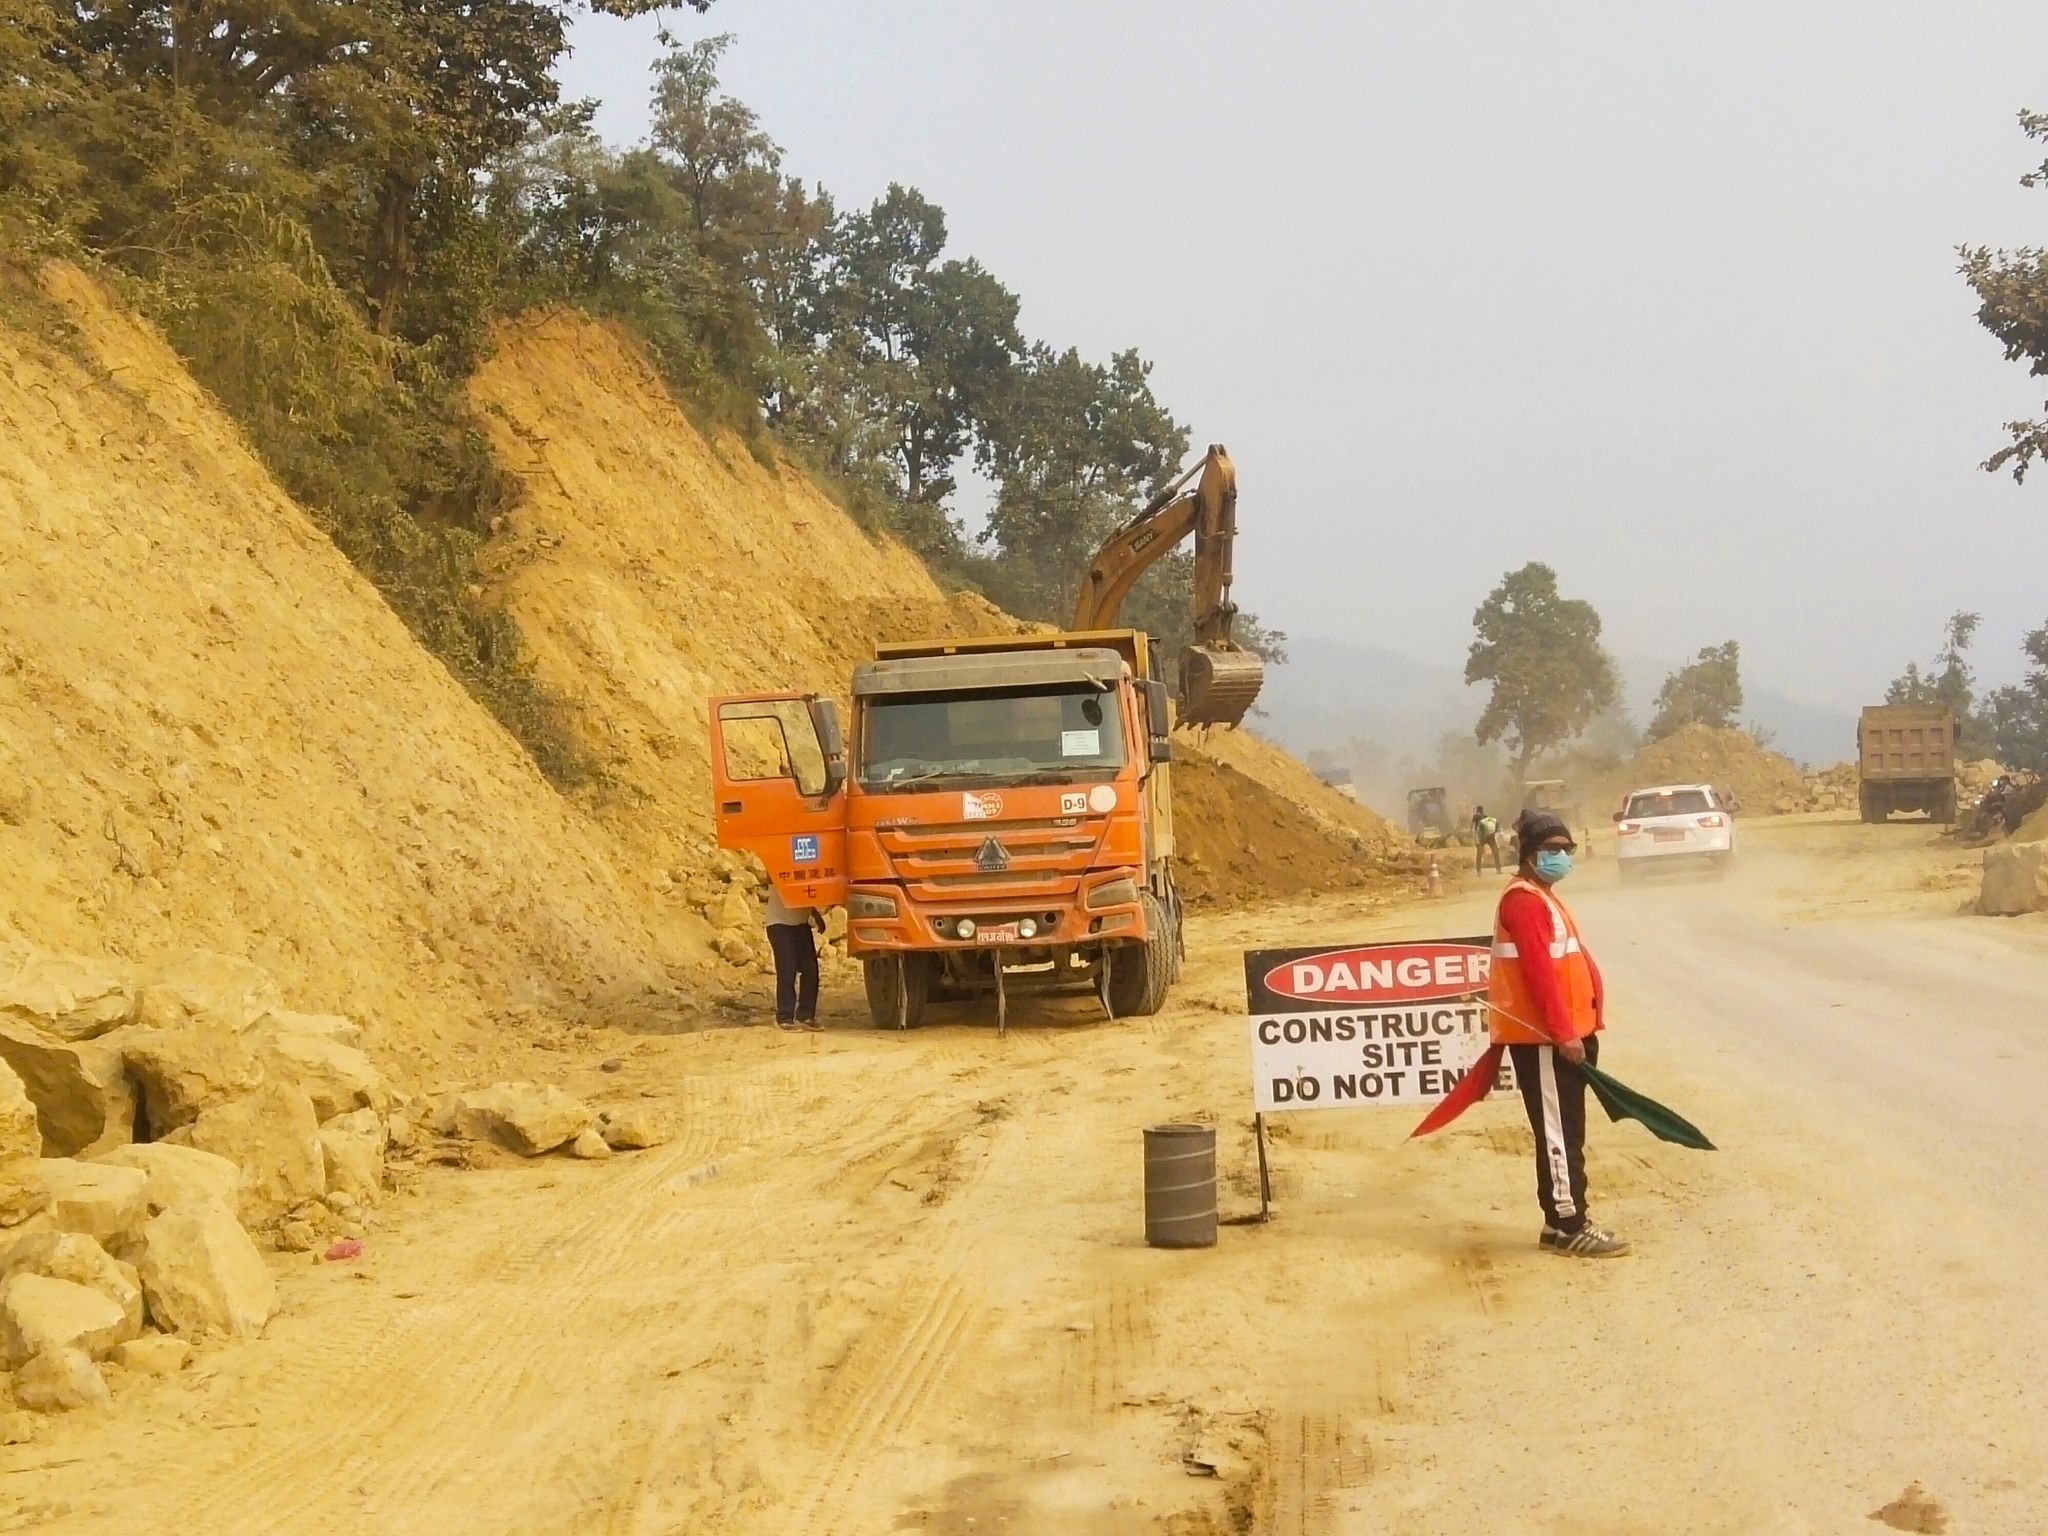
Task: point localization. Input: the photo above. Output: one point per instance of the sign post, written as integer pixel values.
(1359, 1026)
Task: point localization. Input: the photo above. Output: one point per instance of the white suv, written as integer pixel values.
(1673, 821)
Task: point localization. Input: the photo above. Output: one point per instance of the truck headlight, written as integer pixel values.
(965, 928)
(1114, 893)
(860, 904)
(1027, 929)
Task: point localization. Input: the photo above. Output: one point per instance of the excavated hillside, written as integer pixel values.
(651, 567)
(214, 733)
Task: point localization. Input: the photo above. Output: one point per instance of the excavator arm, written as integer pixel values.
(1218, 678)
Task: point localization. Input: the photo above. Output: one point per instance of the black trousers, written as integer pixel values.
(1485, 846)
(1554, 1093)
(796, 972)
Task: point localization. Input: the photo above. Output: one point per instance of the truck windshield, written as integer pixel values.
(1054, 733)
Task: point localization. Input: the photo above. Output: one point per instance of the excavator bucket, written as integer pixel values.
(1218, 687)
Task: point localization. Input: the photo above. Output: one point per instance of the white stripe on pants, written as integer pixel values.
(1553, 1134)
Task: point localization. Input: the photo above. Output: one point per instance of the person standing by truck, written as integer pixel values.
(791, 935)
(1485, 840)
(1547, 1004)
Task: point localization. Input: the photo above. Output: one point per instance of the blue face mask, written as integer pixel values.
(1553, 864)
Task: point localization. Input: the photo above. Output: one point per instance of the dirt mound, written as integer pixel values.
(1762, 781)
(214, 733)
(652, 567)
(1253, 824)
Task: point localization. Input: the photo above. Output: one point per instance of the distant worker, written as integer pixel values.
(790, 936)
(1485, 840)
(1547, 1001)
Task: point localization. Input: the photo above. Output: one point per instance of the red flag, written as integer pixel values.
(1475, 1085)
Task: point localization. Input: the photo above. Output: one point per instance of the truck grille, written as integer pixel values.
(939, 862)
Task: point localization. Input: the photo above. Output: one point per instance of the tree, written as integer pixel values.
(1949, 681)
(2016, 716)
(2012, 295)
(932, 342)
(1706, 691)
(1541, 652)
(1076, 449)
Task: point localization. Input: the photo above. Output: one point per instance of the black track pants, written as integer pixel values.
(1554, 1093)
(796, 972)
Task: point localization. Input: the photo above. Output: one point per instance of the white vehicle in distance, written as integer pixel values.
(1672, 823)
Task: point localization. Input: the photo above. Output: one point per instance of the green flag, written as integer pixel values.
(1623, 1103)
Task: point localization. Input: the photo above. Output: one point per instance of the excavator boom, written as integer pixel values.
(1218, 678)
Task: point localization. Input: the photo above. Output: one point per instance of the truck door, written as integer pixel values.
(778, 785)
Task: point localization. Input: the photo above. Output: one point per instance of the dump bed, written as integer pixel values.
(1131, 644)
(1906, 741)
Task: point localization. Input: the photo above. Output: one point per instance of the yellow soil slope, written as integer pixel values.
(214, 733)
(651, 567)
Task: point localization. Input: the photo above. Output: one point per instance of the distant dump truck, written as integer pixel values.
(1906, 761)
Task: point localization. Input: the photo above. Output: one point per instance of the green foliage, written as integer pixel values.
(2012, 304)
(1541, 652)
(1949, 681)
(1706, 691)
(2016, 716)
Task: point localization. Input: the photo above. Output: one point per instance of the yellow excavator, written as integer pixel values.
(1219, 679)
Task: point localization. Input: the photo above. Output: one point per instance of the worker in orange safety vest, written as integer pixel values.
(1545, 1004)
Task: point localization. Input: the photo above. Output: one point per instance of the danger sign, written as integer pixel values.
(1364, 1024)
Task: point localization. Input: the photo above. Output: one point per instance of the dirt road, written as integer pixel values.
(891, 1284)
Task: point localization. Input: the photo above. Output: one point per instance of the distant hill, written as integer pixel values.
(1333, 691)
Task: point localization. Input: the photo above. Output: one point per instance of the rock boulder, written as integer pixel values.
(20, 1133)
(60, 1380)
(41, 1316)
(68, 996)
(84, 1098)
(180, 1175)
(273, 1136)
(352, 1146)
(530, 1118)
(201, 986)
(2015, 880)
(201, 1274)
(338, 1078)
(74, 1257)
(101, 1201)
(630, 1127)
(183, 1072)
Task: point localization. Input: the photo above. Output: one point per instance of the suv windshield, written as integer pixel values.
(1053, 733)
(1677, 802)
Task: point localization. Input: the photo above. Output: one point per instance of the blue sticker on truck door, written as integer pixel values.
(803, 848)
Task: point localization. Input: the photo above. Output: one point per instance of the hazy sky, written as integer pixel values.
(1663, 295)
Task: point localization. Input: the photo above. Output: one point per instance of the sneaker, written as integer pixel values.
(1589, 1242)
(790, 1024)
(815, 1026)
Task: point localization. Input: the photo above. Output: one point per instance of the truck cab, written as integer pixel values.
(998, 816)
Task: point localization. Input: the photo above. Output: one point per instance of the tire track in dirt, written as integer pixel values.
(879, 1392)
(1309, 1465)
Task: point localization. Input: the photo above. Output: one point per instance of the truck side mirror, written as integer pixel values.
(831, 742)
(1159, 721)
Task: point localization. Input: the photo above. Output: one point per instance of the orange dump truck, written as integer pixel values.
(999, 816)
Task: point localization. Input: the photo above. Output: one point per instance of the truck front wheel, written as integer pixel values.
(891, 1004)
(1140, 974)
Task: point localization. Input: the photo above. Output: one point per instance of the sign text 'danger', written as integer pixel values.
(1394, 973)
